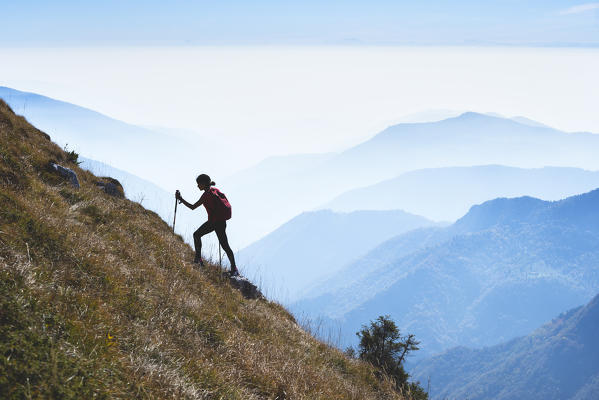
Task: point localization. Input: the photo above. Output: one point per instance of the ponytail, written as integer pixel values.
(205, 179)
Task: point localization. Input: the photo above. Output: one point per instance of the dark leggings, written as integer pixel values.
(219, 227)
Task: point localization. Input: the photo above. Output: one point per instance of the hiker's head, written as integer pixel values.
(204, 181)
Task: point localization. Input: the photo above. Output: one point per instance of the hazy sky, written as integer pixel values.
(277, 77)
(271, 100)
(313, 22)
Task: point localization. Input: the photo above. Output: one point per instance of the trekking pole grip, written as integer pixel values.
(177, 195)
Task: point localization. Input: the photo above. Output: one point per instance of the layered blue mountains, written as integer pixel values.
(315, 245)
(500, 271)
(468, 140)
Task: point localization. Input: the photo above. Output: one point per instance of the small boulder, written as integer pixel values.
(111, 186)
(66, 173)
(247, 288)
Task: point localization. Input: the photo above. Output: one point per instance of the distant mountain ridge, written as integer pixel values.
(68, 123)
(448, 193)
(558, 361)
(440, 114)
(497, 273)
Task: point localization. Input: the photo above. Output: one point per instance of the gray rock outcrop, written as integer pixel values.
(66, 173)
(112, 187)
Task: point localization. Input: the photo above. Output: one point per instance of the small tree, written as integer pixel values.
(382, 345)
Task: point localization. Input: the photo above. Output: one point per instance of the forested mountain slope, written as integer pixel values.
(558, 361)
(499, 272)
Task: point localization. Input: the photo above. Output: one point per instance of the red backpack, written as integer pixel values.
(222, 207)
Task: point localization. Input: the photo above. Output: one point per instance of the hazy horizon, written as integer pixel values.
(273, 100)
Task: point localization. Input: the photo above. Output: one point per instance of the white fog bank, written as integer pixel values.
(281, 100)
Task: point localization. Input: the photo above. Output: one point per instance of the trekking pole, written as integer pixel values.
(220, 258)
(175, 217)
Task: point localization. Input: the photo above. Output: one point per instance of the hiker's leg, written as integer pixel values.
(206, 228)
(224, 242)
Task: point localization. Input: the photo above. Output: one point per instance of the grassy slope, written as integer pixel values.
(97, 298)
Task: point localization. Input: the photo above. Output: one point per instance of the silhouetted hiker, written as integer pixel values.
(219, 211)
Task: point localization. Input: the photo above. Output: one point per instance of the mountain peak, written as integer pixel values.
(582, 208)
(491, 118)
(463, 128)
(475, 115)
(500, 210)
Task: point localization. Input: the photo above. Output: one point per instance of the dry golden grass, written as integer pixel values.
(99, 300)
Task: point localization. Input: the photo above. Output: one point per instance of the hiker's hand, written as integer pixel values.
(178, 195)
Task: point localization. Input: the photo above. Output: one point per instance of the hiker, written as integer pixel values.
(219, 211)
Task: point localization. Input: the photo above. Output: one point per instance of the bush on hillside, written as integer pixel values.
(72, 155)
(382, 345)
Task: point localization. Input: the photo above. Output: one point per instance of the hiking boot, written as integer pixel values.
(198, 260)
(234, 272)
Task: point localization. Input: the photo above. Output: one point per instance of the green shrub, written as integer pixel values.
(71, 155)
(382, 345)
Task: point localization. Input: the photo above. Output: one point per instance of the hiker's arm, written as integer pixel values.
(192, 206)
(188, 204)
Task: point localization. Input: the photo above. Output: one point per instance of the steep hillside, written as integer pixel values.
(499, 272)
(128, 146)
(99, 300)
(331, 239)
(446, 194)
(156, 199)
(557, 361)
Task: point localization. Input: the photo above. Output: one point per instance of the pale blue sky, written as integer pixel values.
(180, 22)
